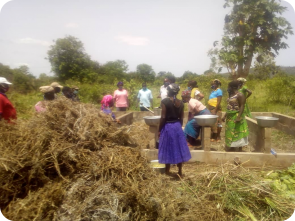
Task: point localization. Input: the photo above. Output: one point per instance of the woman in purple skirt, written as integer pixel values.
(173, 147)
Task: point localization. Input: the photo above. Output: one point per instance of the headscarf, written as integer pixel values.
(106, 101)
(46, 89)
(186, 93)
(174, 88)
(120, 82)
(216, 81)
(55, 84)
(242, 80)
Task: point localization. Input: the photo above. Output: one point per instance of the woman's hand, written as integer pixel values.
(238, 119)
(223, 119)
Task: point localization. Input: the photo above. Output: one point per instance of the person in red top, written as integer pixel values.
(7, 111)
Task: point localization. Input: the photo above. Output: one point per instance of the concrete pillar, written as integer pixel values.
(157, 111)
(154, 130)
(206, 135)
(267, 140)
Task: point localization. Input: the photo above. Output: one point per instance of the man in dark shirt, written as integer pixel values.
(7, 111)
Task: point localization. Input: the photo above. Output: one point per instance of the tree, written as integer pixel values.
(146, 72)
(264, 68)
(23, 80)
(6, 71)
(253, 27)
(115, 69)
(69, 60)
(161, 74)
(209, 72)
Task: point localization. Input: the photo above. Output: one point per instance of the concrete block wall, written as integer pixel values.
(256, 135)
(246, 159)
(285, 124)
(126, 118)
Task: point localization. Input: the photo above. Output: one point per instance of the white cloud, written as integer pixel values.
(33, 41)
(71, 25)
(20, 64)
(132, 40)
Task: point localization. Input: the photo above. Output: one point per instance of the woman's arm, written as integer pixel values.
(249, 93)
(127, 100)
(224, 117)
(241, 99)
(199, 96)
(163, 117)
(181, 116)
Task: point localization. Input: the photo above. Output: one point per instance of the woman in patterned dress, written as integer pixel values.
(236, 128)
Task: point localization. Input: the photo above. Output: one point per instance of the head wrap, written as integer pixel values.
(242, 80)
(46, 89)
(55, 84)
(186, 93)
(75, 88)
(174, 88)
(120, 82)
(107, 100)
(216, 81)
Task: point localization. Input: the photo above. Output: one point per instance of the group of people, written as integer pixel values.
(174, 142)
(7, 110)
(52, 91)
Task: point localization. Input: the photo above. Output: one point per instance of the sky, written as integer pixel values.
(169, 35)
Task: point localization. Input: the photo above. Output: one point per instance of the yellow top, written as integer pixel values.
(193, 92)
(213, 97)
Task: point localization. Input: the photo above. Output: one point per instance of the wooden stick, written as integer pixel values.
(148, 109)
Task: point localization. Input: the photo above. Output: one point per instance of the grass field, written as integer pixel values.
(261, 99)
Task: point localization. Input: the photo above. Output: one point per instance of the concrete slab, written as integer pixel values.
(248, 159)
(285, 124)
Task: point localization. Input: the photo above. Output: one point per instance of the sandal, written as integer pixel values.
(213, 140)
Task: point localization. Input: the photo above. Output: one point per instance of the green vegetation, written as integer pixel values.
(282, 181)
(273, 95)
(252, 28)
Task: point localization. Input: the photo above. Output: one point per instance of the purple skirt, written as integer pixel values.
(173, 148)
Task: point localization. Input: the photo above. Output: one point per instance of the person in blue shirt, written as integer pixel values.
(214, 105)
(145, 98)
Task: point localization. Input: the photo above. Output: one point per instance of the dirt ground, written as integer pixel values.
(281, 143)
(192, 170)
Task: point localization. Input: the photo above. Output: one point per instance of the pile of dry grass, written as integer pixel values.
(139, 134)
(72, 163)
